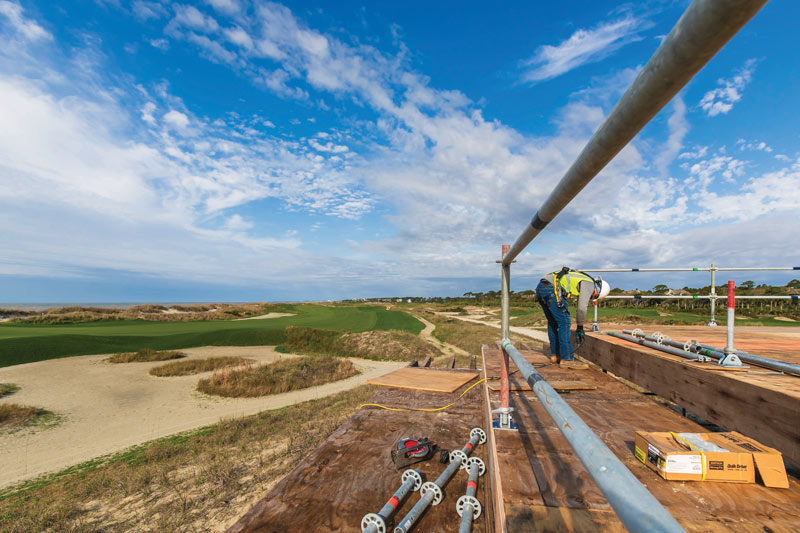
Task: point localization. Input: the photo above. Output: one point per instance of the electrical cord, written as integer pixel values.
(428, 410)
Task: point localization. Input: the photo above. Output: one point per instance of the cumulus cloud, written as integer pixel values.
(582, 47)
(721, 100)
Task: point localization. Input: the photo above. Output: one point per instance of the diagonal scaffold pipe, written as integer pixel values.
(701, 32)
(637, 509)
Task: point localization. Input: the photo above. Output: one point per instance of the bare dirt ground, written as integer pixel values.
(109, 407)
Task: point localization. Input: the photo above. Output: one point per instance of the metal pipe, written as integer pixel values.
(650, 344)
(718, 353)
(505, 303)
(411, 480)
(468, 507)
(686, 269)
(595, 325)
(701, 32)
(636, 507)
(713, 303)
(731, 312)
(431, 493)
(696, 297)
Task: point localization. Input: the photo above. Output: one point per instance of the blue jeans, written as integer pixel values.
(558, 322)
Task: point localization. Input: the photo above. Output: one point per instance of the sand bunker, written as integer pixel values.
(107, 407)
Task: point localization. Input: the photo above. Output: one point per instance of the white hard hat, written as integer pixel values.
(605, 288)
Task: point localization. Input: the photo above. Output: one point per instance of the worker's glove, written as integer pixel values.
(579, 335)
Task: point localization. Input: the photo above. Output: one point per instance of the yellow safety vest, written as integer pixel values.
(568, 283)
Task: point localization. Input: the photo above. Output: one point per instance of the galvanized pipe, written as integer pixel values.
(376, 523)
(713, 303)
(696, 297)
(650, 344)
(689, 269)
(468, 507)
(635, 506)
(731, 318)
(431, 493)
(718, 353)
(702, 30)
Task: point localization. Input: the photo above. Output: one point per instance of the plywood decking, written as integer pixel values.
(427, 379)
(764, 406)
(352, 474)
(541, 485)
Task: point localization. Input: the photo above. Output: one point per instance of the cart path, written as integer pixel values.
(110, 407)
(528, 332)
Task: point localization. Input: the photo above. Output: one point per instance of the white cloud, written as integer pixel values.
(678, 128)
(191, 17)
(583, 46)
(161, 44)
(721, 100)
(176, 120)
(29, 29)
(227, 7)
(144, 10)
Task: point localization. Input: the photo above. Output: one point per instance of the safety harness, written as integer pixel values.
(561, 292)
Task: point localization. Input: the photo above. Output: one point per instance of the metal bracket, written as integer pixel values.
(471, 500)
(730, 359)
(372, 518)
(477, 461)
(504, 419)
(412, 474)
(433, 487)
(595, 327)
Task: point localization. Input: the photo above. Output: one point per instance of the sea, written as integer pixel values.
(43, 306)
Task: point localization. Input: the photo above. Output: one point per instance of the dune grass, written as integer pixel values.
(7, 388)
(196, 366)
(378, 345)
(25, 343)
(203, 480)
(14, 416)
(145, 355)
(278, 377)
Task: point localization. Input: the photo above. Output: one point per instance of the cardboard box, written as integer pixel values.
(730, 457)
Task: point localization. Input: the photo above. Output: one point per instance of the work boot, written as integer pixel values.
(573, 365)
(553, 359)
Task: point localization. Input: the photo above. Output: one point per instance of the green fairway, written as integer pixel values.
(28, 343)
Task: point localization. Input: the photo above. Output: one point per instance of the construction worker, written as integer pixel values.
(552, 293)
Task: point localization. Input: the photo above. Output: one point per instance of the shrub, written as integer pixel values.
(145, 355)
(196, 366)
(282, 376)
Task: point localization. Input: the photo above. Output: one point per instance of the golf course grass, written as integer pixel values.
(22, 343)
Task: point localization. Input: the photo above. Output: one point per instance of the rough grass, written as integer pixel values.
(198, 481)
(14, 416)
(145, 355)
(26, 343)
(470, 336)
(281, 376)
(196, 366)
(7, 388)
(380, 345)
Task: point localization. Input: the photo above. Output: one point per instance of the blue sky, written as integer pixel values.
(248, 150)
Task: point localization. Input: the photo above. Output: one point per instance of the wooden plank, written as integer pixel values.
(762, 406)
(427, 379)
(352, 474)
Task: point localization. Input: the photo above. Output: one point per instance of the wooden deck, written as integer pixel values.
(764, 406)
(352, 474)
(541, 485)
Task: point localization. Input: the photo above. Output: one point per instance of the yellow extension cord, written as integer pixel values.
(427, 410)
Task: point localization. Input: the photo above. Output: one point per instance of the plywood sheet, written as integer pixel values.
(427, 379)
(352, 474)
